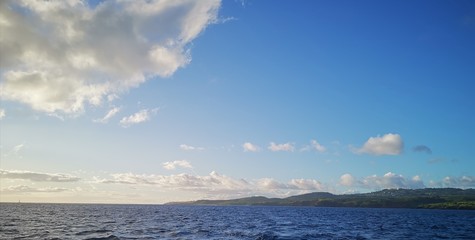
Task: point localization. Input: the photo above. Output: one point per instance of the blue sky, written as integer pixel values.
(149, 102)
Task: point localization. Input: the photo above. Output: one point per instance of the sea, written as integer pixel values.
(102, 221)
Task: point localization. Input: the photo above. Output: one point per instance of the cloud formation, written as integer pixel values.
(59, 56)
(2, 113)
(175, 164)
(216, 183)
(455, 182)
(185, 147)
(314, 145)
(28, 189)
(143, 115)
(249, 147)
(37, 177)
(387, 181)
(388, 144)
(422, 148)
(111, 113)
(287, 147)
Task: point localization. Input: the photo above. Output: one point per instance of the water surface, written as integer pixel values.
(97, 221)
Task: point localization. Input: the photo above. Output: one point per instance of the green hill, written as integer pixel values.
(440, 198)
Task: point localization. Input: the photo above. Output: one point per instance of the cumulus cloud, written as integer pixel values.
(388, 144)
(37, 177)
(249, 147)
(111, 113)
(143, 115)
(59, 56)
(388, 180)
(288, 147)
(314, 145)
(347, 180)
(27, 189)
(175, 164)
(455, 182)
(2, 113)
(422, 148)
(216, 183)
(185, 147)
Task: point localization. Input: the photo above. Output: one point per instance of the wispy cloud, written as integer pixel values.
(388, 144)
(455, 182)
(111, 113)
(16, 149)
(2, 113)
(37, 177)
(216, 183)
(28, 189)
(175, 164)
(57, 56)
(249, 147)
(314, 145)
(422, 148)
(288, 147)
(143, 115)
(388, 180)
(185, 147)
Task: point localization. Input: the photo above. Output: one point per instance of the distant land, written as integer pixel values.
(429, 198)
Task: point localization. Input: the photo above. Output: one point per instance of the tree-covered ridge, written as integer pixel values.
(440, 198)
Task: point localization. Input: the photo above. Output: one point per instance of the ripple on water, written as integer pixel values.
(76, 221)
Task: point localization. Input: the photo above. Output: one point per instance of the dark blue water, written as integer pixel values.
(76, 221)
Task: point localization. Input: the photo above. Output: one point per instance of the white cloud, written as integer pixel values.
(388, 144)
(388, 180)
(185, 147)
(111, 113)
(16, 149)
(138, 117)
(2, 113)
(347, 180)
(249, 147)
(314, 145)
(215, 183)
(288, 147)
(58, 56)
(455, 182)
(175, 164)
(37, 177)
(27, 189)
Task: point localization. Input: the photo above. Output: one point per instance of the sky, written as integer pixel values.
(159, 101)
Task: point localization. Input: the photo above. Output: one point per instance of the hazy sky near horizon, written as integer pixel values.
(157, 101)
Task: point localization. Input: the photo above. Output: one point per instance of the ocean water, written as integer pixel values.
(96, 221)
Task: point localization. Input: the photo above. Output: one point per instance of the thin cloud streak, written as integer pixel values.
(37, 176)
(141, 116)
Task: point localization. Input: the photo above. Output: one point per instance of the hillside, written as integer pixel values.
(436, 198)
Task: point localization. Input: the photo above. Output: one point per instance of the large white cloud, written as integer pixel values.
(388, 144)
(38, 176)
(58, 56)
